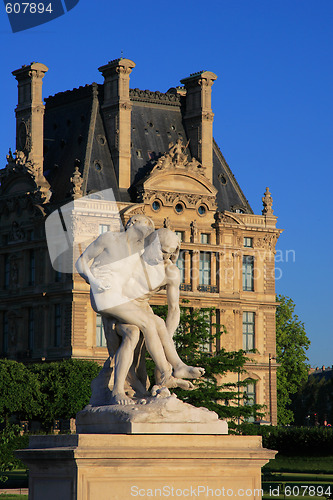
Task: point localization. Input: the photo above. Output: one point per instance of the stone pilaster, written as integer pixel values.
(117, 114)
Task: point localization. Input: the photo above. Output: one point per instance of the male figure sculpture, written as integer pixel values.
(122, 279)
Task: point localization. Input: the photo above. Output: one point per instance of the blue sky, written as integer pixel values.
(272, 102)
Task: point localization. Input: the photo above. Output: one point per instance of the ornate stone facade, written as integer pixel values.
(156, 151)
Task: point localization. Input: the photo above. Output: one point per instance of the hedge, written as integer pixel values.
(294, 440)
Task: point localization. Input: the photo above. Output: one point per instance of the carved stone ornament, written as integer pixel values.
(194, 231)
(177, 157)
(16, 233)
(268, 203)
(268, 242)
(77, 182)
(20, 164)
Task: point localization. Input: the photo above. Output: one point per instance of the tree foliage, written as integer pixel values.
(291, 345)
(20, 391)
(313, 402)
(65, 387)
(193, 339)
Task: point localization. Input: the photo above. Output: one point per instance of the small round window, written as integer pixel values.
(156, 205)
(202, 210)
(179, 208)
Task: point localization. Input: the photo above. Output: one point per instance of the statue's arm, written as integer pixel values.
(172, 290)
(91, 252)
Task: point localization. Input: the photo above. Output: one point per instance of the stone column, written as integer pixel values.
(213, 268)
(30, 112)
(198, 118)
(187, 258)
(117, 114)
(195, 270)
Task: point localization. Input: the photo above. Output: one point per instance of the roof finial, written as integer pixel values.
(77, 182)
(268, 203)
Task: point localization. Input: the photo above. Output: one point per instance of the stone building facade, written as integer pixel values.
(157, 153)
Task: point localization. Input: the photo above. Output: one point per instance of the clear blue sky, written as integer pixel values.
(272, 103)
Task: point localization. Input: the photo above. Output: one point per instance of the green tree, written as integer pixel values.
(193, 339)
(291, 345)
(65, 387)
(20, 391)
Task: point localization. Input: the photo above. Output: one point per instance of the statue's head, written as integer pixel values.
(141, 223)
(164, 243)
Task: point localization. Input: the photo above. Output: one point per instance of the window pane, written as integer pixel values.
(248, 266)
(181, 235)
(204, 238)
(57, 325)
(103, 228)
(204, 268)
(248, 330)
(181, 266)
(100, 337)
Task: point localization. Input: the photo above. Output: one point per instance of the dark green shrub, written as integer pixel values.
(294, 440)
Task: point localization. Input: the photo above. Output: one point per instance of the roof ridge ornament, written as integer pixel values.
(268, 203)
(177, 157)
(77, 182)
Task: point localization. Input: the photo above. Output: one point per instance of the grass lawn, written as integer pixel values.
(298, 474)
(4, 496)
(314, 465)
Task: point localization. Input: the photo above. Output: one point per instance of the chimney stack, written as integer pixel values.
(198, 117)
(30, 112)
(117, 114)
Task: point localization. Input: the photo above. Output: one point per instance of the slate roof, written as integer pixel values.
(74, 134)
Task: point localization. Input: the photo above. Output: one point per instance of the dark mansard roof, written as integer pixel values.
(74, 134)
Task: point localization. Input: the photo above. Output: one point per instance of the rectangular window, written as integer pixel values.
(5, 330)
(100, 337)
(181, 266)
(250, 398)
(204, 268)
(32, 267)
(204, 238)
(31, 329)
(248, 330)
(57, 325)
(181, 235)
(248, 242)
(7, 272)
(103, 228)
(248, 268)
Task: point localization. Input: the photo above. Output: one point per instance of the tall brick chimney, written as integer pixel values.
(30, 112)
(198, 117)
(117, 115)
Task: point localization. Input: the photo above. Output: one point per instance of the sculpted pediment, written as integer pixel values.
(175, 175)
(22, 176)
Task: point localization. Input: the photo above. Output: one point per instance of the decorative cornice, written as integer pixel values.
(169, 98)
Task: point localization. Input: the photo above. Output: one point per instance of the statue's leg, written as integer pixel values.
(141, 315)
(123, 360)
(180, 369)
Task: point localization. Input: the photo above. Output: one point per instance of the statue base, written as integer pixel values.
(122, 467)
(153, 415)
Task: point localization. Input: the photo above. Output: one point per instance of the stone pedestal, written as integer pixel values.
(124, 467)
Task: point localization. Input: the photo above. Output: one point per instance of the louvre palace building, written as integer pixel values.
(157, 154)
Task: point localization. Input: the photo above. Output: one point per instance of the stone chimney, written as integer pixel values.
(117, 115)
(198, 117)
(30, 112)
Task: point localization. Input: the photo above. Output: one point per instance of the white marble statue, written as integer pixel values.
(127, 269)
